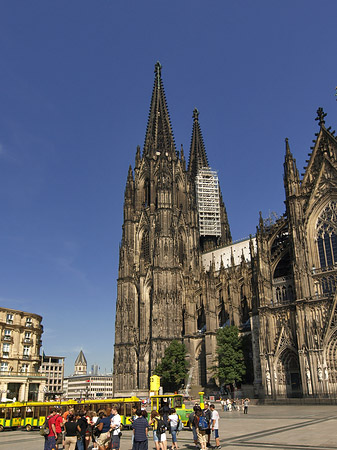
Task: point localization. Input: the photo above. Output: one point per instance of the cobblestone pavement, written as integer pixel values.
(264, 427)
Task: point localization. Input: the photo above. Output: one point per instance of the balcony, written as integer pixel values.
(25, 357)
(7, 338)
(5, 354)
(29, 324)
(11, 373)
(27, 341)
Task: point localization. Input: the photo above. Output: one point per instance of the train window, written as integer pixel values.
(2, 413)
(29, 411)
(16, 412)
(43, 411)
(178, 401)
(8, 413)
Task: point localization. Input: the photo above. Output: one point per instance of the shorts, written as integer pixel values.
(201, 436)
(103, 438)
(49, 443)
(155, 436)
(162, 437)
(115, 441)
(216, 433)
(59, 438)
(208, 431)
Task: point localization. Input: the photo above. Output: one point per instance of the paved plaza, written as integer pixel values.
(264, 427)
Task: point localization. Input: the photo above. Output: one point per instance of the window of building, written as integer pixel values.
(7, 334)
(326, 233)
(5, 350)
(9, 318)
(3, 367)
(26, 351)
(25, 368)
(29, 322)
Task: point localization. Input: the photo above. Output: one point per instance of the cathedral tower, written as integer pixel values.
(160, 250)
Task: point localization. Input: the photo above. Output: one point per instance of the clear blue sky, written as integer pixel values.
(75, 86)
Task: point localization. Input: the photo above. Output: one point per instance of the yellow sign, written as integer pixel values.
(154, 383)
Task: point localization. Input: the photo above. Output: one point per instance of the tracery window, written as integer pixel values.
(326, 232)
(145, 248)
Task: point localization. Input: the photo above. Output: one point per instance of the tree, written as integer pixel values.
(230, 366)
(173, 367)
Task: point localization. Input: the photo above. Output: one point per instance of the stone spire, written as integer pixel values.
(198, 157)
(291, 175)
(159, 135)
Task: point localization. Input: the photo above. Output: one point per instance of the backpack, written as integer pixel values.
(161, 427)
(44, 429)
(203, 425)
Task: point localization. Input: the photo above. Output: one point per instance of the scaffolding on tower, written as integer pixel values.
(208, 201)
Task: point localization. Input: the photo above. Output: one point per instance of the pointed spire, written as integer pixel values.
(159, 135)
(291, 175)
(198, 157)
(320, 116)
(138, 158)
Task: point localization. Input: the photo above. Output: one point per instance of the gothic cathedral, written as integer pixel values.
(181, 276)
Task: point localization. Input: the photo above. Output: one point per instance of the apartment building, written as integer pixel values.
(20, 375)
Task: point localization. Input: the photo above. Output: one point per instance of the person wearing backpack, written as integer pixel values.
(208, 414)
(201, 426)
(161, 431)
(173, 420)
(50, 439)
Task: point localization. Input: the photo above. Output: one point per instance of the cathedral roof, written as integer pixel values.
(159, 135)
(198, 157)
(80, 359)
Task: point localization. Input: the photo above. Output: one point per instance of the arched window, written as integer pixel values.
(147, 190)
(181, 249)
(326, 231)
(145, 248)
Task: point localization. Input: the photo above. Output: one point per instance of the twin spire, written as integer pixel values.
(159, 134)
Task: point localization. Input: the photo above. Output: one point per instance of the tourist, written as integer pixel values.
(192, 425)
(208, 414)
(201, 425)
(153, 422)
(140, 429)
(70, 435)
(115, 428)
(82, 426)
(132, 419)
(215, 426)
(245, 405)
(58, 429)
(50, 440)
(173, 420)
(103, 427)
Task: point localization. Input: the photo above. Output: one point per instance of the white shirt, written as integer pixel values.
(173, 420)
(215, 416)
(116, 420)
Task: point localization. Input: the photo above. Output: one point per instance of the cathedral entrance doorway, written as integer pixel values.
(291, 374)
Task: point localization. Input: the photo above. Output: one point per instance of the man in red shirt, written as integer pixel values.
(50, 440)
(58, 428)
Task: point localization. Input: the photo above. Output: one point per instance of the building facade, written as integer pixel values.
(81, 385)
(181, 276)
(20, 360)
(53, 368)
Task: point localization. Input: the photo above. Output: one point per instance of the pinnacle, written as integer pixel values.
(198, 157)
(159, 135)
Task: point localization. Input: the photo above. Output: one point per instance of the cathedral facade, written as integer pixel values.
(181, 276)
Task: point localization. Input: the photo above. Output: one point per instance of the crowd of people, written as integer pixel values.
(77, 430)
(235, 405)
